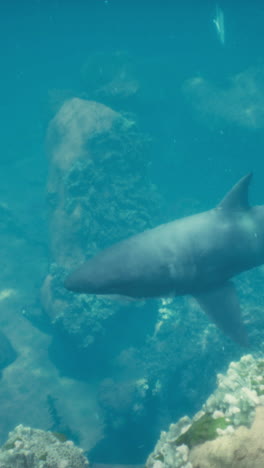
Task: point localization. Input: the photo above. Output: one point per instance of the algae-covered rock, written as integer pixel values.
(242, 449)
(203, 429)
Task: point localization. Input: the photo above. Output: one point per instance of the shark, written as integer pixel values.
(197, 255)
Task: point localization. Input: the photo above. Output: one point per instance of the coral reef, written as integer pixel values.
(239, 391)
(237, 401)
(34, 448)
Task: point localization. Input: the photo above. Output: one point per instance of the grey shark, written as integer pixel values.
(195, 255)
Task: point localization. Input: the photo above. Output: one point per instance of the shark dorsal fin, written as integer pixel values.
(237, 198)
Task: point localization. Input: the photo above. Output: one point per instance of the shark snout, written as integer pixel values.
(85, 279)
(71, 283)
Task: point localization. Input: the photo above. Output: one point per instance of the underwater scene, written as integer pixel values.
(132, 234)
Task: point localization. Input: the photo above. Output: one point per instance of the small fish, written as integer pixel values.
(219, 24)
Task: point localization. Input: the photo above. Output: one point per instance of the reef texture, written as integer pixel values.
(34, 448)
(237, 401)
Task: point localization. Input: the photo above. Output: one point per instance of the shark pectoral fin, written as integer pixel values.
(223, 308)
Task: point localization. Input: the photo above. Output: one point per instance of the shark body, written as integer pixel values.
(195, 255)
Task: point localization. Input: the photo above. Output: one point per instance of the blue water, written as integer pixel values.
(204, 134)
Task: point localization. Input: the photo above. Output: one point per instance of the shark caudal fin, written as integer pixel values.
(222, 306)
(237, 198)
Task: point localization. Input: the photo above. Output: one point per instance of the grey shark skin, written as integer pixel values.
(196, 255)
